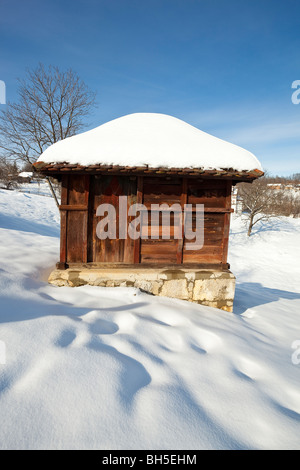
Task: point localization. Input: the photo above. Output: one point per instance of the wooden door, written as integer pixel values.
(107, 190)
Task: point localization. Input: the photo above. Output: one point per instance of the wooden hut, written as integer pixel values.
(147, 159)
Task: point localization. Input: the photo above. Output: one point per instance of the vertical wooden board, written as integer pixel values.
(139, 200)
(85, 219)
(227, 222)
(75, 245)
(63, 219)
(78, 189)
(78, 193)
(180, 242)
(90, 221)
(129, 242)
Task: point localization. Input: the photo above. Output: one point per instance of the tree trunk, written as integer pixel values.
(52, 192)
(250, 226)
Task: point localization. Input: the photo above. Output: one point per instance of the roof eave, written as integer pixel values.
(55, 169)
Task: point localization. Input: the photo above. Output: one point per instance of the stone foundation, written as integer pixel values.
(206, 287)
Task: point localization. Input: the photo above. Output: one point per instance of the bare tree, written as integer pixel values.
(52, 105)
(260, 201)
(9, 174)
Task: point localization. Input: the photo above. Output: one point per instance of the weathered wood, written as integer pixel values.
(76, 210)
(61, 266)
(82, 194)
(226, 222)
(107, 190)
(85, 234)
(158, 191)
(129, 242)
(217, 175)
(63, 220)
(139, 200)
(183, 201)
(72, 207)
(166, 266)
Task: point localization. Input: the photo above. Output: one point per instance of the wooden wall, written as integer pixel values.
(82, 194)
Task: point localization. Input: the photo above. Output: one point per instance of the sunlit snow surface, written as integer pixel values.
(114, 368)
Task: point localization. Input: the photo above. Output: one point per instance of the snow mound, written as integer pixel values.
(150, 139)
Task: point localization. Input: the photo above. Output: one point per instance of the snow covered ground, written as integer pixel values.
(114, 368)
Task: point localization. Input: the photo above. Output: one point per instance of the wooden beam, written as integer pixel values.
(155, 266)
(227, 222)
(85, 220)
(64, 221)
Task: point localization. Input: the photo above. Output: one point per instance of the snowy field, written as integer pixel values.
(114, 368)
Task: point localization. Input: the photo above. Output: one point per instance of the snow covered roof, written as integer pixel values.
(151, 140)
(26, 174)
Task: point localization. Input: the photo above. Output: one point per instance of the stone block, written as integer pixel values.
(175, 288)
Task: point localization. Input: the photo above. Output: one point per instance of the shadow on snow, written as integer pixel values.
(253, 294)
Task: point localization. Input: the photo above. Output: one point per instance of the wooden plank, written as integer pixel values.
(210, 257)
(227, 222)
(212, 210)
(75, 236)
(139, 200)
(72, 207)
(76, 208)
(159, 258)
(183, 201)
(158, 231)
(131, 199)
(159, 247)
(150, 180)
(153, 265)
(63, 221)
(85, 220)
(90, 222)
(199, 184)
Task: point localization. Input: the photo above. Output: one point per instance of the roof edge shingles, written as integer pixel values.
(64, 167)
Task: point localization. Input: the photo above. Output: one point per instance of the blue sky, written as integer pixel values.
(224, 66)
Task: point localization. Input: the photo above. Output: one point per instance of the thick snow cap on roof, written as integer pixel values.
(153, 140)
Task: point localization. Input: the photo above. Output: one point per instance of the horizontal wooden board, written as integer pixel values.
(174, 180)
(209, 202)
(211, 184)
(159, 258)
